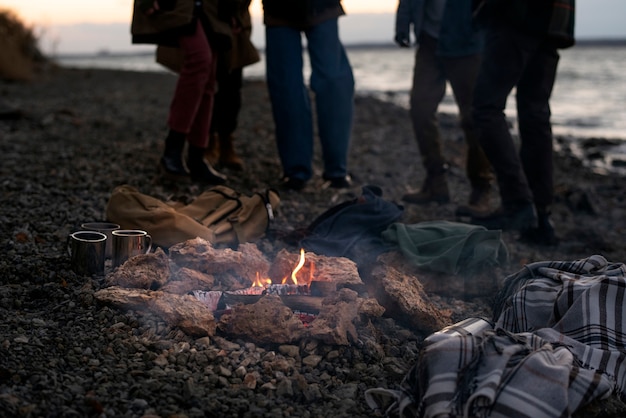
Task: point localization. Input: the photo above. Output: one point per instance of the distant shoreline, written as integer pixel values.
(597, 42)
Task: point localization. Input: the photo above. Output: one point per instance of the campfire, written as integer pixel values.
(205, 290)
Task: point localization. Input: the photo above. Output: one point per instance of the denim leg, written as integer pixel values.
(289, 96)
(533, 110)
(332, 82)
(427, 91)
(505, 57)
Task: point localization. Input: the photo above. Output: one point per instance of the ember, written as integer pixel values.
(287, 289)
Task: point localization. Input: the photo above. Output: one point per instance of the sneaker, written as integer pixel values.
(292, 183)
(344, 182)
(514, 218)
(434, 189)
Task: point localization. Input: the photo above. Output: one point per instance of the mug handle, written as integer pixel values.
(149, 241)
(68, 246)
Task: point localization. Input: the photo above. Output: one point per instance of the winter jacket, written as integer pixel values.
(242, 51)
(449, 21)
(554, 19)
(178, 17)
(300, 14)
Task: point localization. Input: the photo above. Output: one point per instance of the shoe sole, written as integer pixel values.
(171, 176)
(439, 201)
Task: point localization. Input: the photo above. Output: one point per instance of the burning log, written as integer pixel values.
(210, 299)
(144, 271)
(342, 271)
(184, 312)
(199, 254)
(287, 289)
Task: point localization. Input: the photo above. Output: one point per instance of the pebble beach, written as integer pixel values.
(79, 133)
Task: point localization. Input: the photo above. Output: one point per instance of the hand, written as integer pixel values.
(402, 39)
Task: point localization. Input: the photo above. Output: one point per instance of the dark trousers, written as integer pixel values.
(513, 59)
(227, 101)
(430, 75)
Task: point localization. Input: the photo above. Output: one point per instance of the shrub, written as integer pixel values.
(20, 57)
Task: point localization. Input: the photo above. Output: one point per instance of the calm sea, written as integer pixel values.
(589, 98)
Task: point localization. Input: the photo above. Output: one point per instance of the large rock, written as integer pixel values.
(405, 300)
(199, 254)
(185, 312)
(144, 271)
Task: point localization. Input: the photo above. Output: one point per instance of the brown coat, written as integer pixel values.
(241, 51)
(164, 27)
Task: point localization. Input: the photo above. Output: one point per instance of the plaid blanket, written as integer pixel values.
(557, 343)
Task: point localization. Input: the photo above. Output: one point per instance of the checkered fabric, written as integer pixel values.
(558, 342)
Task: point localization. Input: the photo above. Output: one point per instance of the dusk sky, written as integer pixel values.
(82, 26)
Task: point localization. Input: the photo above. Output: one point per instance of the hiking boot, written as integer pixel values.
(519, 217)
(212, 153)
(434, 189)
(173, 168)
(478, 205)
(227, 156)
(171, 163)
(543, 234)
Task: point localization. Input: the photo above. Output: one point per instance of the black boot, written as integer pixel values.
(200, 170)
(544, 233)
(171, 163)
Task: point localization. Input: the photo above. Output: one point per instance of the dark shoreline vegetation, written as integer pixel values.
(77, 134)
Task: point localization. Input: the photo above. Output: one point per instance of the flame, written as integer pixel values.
(295, 271)
(258, 282)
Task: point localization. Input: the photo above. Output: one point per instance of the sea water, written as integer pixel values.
(588, 101)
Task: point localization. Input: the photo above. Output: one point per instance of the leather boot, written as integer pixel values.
(434, 189)
(171, 163)
(478, 205)
(212, 153)
(520, 216)
(228, 156)
(544, 233)
(200, 170)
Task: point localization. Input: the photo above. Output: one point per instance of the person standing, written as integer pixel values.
(449, 50)
(332, 82)
(522, 42)
(230, 66)
(193, 26)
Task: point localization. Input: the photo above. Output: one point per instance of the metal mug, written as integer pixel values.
(128, 243)
(86, 250)
(106, 228)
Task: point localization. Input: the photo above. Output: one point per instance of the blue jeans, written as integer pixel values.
(333, 84)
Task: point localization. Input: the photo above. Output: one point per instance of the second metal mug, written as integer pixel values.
(128, 243)
(106, 228)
